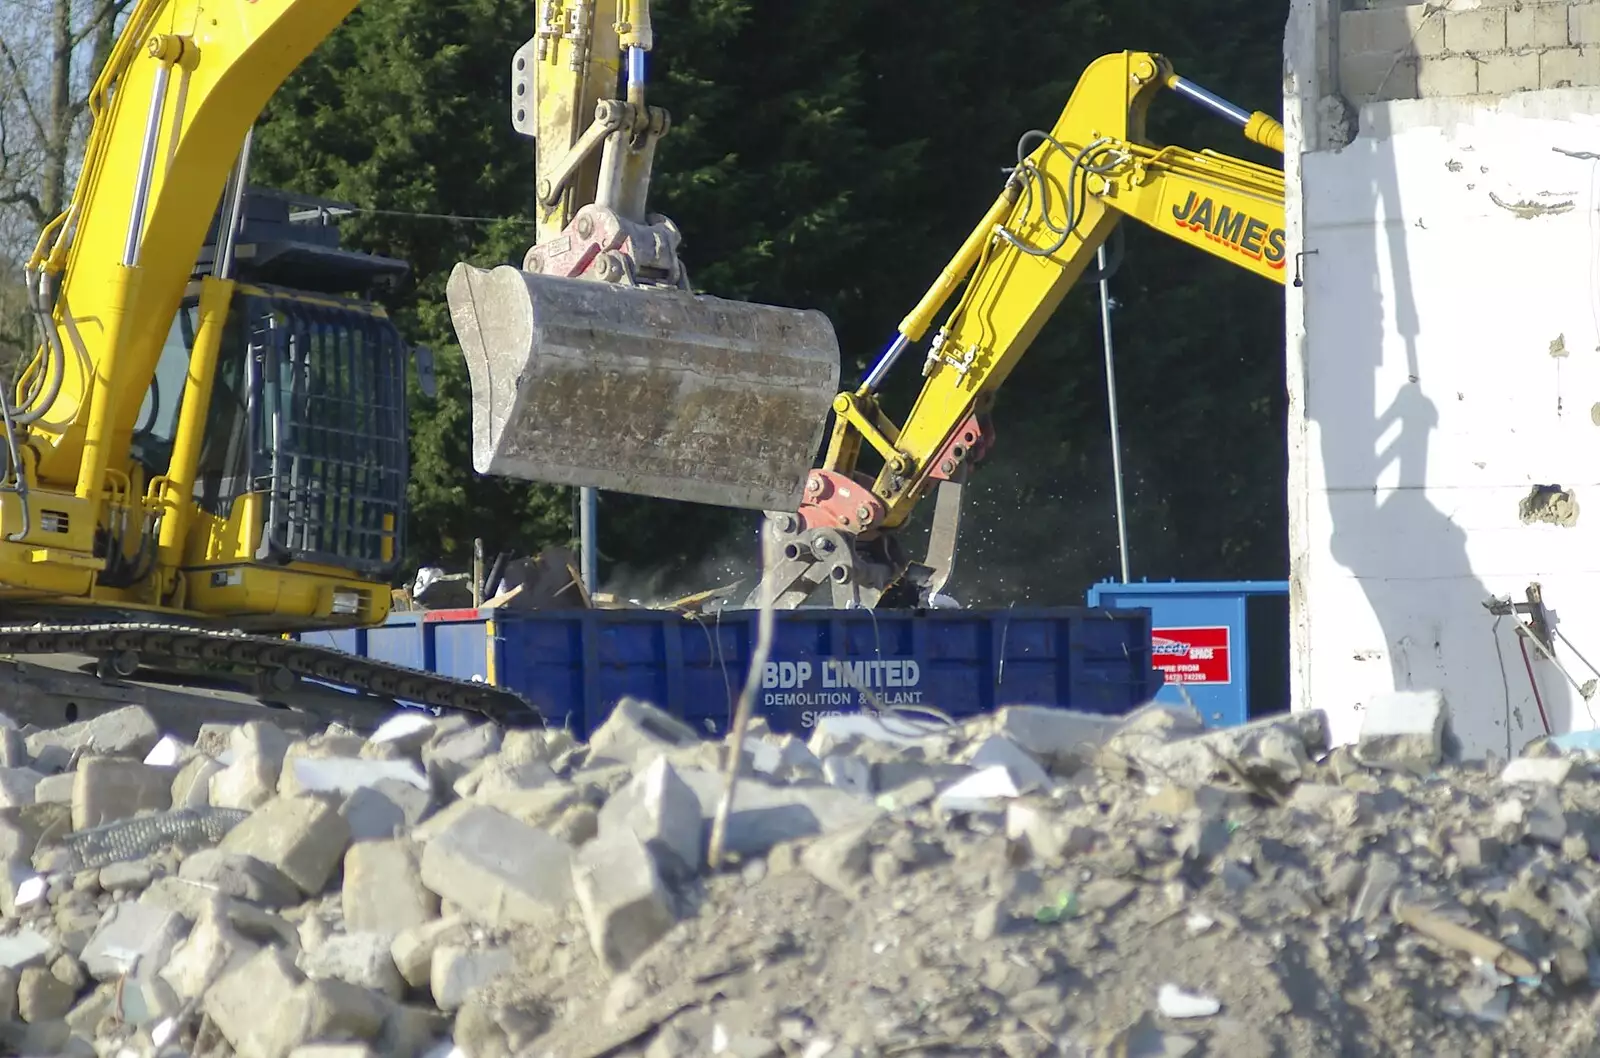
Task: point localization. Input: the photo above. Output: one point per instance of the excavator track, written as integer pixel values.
(164, 645)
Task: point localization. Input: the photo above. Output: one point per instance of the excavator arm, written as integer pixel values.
(1063, 200)
(171, 111)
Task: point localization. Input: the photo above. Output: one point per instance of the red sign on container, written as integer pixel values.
(1192, 655)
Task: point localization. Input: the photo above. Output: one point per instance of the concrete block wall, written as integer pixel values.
(1389, 50)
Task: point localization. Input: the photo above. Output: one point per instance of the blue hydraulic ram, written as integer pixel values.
(575, 665)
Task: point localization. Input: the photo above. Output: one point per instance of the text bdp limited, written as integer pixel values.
(851, 685)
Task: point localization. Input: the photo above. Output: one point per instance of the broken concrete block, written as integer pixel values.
(493, 773)
(623, 899)
(1026, 773)
(334, 1050)
(212, 948)
(450, 756)
(143, 1000)
(660, 809)
(301, 836)
(782, 757)
(133, 938)
(344, 775)
(169, 752)
(126, 732)
(1404, 730)
(525, 746)
(75, 925)
(240, 876)
(1275, 749)
(54, 1038)
(848, 772)
(1145, 730)
(840, 860)
(55, 789)
(543, 806)
(254, 761)
(237, 1003)
(41, 997)
(1038, 826)
(106, 789)
(16, 842)
(215, 741)
(17, 786)
(1552, 770)
(636, 731)
(92, 1010)
(984, 791)
(765, 815)
(13, 749)
(119, 878)
(1545, 821)
(265, 1008)
(408, 731)
(334, 742)
(577, 825)
(375, 811)
(359, 958)
(191, 788)
(497, 869)
(841, 731)
(415, 1031)
(26, 947)
(1064, 739)
(412, 949)
(1473, 850)
(383, 890)
(457, 972)
(265, 740)
(249, 782)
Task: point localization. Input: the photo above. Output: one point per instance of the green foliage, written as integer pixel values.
(833, 155)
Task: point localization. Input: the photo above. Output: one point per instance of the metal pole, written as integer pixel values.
(1111, 400)
(588, 555)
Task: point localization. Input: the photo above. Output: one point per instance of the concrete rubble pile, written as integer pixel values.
(1035, 882)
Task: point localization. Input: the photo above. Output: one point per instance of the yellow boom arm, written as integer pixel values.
(190, 78)
(1059, 205)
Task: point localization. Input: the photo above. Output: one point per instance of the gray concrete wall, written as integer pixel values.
(1389, 50)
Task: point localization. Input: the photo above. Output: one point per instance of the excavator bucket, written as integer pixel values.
(651, 391)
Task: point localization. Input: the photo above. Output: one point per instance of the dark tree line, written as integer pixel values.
(833, 154)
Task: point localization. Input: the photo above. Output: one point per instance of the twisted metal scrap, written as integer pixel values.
(134, 839)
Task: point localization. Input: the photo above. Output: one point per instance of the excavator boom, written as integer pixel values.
(1072, 186)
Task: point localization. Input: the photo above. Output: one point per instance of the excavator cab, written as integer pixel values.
(303, 452)
(593, 364)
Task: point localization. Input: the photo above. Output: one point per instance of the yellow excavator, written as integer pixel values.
(208, 449)
(1070, 189)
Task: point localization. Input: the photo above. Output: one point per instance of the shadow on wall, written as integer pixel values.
(1409, 557)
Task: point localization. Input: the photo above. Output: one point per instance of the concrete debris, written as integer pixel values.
(636, 730)
(624, 902)
(1404, 729)
(383, 890)
(1028, 883)
(304, 837)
